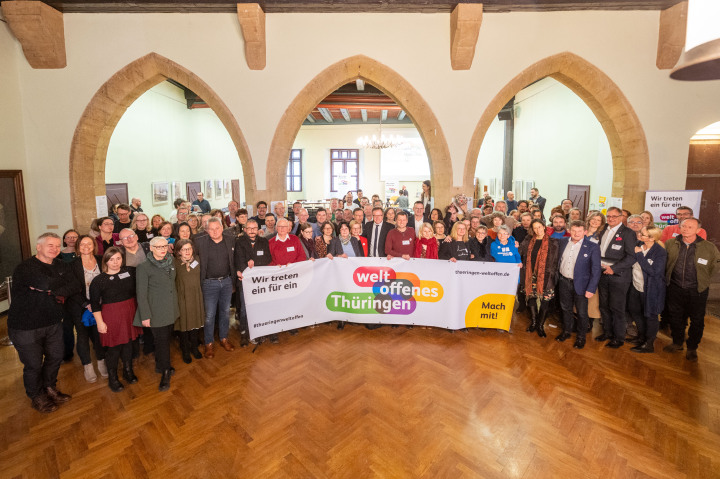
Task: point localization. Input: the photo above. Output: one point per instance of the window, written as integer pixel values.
(294, 171)
(343, 170)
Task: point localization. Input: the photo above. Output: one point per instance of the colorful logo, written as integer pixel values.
(490, 311)
(392, 293)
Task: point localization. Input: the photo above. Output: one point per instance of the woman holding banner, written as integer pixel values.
(345, 246)
(457, 249)
(426, 246)
(539, 254)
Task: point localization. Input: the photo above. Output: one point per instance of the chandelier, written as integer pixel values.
(382, 142)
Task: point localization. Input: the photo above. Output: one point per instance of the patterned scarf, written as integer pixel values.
(539, 268)
(165, 264)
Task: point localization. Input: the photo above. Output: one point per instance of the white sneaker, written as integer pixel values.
(102, 368)
(90, 375)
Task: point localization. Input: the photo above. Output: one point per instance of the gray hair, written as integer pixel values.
(214, 219)
(505, 228)
(125, 229)
(41, 239)
(156, 240)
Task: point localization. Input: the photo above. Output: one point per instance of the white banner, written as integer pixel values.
(377, 291)
(662, 204)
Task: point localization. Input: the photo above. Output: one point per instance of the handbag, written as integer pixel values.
(87, 318)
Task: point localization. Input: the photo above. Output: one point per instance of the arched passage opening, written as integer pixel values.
(703, 170)
(89, 148)
(626, 138)
(389, 82)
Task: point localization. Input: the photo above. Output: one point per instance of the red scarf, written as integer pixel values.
(539, 268)
(431, 248)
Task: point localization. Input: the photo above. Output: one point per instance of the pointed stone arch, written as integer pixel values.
(380, 76)
(628, 145)
(88, 151)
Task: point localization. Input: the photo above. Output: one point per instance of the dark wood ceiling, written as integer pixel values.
(357, 103)
(423, 6)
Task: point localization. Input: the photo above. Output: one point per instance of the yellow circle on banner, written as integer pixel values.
(490, 311)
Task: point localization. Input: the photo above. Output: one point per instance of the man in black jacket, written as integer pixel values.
(375, 232)
(617, 249)
(40, 286)
(250, 250)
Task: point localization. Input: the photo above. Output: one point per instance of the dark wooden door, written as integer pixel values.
(14, 238)
(193, 188)
(235, 190)
(580, 196)
(116, 193)
(704, 174)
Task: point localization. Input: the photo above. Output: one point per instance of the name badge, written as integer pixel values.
(127, 275)
(194, 264)
(291, 248)
(674, 234)
(406, 242)
(617, 246)
(702, 261)
(150, 235)
(262, 253)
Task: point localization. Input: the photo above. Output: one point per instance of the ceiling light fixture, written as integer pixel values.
(701, 58)
(381, 143)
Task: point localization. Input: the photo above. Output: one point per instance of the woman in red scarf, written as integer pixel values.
(538, 276)
(427, 245)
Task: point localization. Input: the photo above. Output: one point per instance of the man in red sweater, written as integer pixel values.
(401, 240)
(284, 247)
(671, 231)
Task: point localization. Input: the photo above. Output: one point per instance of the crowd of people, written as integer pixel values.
(134, 281)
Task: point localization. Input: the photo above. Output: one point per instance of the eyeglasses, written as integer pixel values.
(127, 237)
(186, 248)
(613, 216)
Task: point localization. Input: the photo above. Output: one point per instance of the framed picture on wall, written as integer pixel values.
(208, 189)
(160, 192)
(177, 190)
(218, 188)
(228, 188)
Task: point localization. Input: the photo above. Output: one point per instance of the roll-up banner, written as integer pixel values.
(379, 291)
(662, 204)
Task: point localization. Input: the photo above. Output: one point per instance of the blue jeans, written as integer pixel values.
(216, 296)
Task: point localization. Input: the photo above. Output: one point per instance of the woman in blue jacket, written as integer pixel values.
(647, 296)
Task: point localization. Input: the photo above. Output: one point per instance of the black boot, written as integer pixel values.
(185, 347)
(193, 340)
(542, 314)
(646, 347)
(165, 380)
(532, 307)
(129, 374)
(113, 381)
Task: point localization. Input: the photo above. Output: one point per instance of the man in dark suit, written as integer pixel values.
(217, 274)
(375, 232)
(537, 200)
(416, 220)
(617, 249)
(580, 272)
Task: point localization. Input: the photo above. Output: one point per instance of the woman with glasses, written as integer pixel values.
(106, 238)
(158, 304)
(356, 232)
(190, 299)
(69, 241)
(480, 245)
(646, 299)
(306, 240)
(142, 228)
(194, 222)
(113, 303)
(322, 242)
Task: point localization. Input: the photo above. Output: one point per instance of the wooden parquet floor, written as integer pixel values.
(389, 403)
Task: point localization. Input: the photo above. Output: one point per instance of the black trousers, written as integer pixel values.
(112, 354)
(41, 352)
(569, 298)
(162, 336)
(647, 325)
(613, 296)
(68, 335)
(85, 334)
(240, 312)
(681, 304)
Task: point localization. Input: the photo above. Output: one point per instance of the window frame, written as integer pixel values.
(345, 162)
(289, 175)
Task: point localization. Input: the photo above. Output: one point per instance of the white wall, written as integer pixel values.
(490, 158)
(316, 141)
(622, 44)
(162, 140)
(558, 141)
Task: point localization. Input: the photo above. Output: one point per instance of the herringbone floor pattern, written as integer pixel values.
(389, 403)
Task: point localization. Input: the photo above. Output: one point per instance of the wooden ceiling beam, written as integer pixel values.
(401, 115)
(671, 38)
(345, 114)
(326, 114)
(363, 113)
(465, 21)
(40, 30)
(354, 6)
(252, 22)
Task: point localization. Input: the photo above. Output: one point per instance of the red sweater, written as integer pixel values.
(286, 252)
(398, 244)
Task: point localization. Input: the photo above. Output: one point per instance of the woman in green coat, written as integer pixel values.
(158, 304)
(190, 299)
